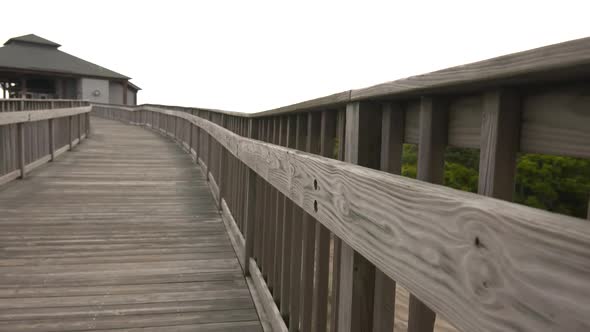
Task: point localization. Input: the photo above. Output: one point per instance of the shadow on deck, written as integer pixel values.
(122, 233)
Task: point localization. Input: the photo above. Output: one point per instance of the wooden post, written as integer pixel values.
(288, 226)
(250, 205)
(432, 143)
(208, 163)
(198, 149)
(222, 170)
(357, 275)
(70, 132)
(277, 219)
(296, 238)
(308, 232)
(80, 128)
(322, 234)
(51, 139)
(190, 139)
(21, 148)
(392, 139)
(336, 242)
(88, 125)
(499, 145)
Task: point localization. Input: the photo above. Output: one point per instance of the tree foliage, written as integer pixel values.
(557, 184)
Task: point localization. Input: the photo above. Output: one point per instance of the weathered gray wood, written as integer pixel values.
(266, 298)
(289, 127)
(392, 139)
(70, 132)
(322, 234)
(296, 239)
(500, 137)
(308, 232)
(250, 222)
(277, 218)
(555, 121)
(545, 63)
(222, 165)
(433, 140)
(357, 275)
(366, 208)
(33, 116)
(21, 149)
(465, 122)
(336, 242)
(123, 235)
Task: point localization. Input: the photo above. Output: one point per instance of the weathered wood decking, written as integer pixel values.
(121, 233)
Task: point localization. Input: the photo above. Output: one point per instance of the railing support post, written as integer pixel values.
(70, 132)
(357, 275)
(87, 124)
(21, 148)
(222, 165)
(51, 139)
(433, 141)
(250, 221)
(80, 128)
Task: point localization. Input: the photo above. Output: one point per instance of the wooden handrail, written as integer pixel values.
(39, 128)
(483, 264)
(33, 116)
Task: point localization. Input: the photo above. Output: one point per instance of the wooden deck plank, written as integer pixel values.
(121, 233)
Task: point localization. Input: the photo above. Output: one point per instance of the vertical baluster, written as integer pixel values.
(20, 129)
(222, 169)
(432, 143)
(296, 238)
(289, 141)
(357, 275)
(308, 232)
(70, 132)
(322, 234)
(277, 218)
(269, 248)
(392, 136)
(336, 242)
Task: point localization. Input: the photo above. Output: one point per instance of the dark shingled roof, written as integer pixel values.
(31, 52)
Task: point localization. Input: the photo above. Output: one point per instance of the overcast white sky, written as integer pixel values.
(257, 55)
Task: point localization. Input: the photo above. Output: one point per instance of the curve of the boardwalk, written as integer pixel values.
(121, 233)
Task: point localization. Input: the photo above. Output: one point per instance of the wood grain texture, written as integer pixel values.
(465, 122)
(500, 130)
(33, 116)
(484, 264)
(120, 234)
(322, 234)
(363, 147)
(570, 58)
(566, 134)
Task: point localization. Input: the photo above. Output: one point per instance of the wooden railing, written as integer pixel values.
(325, 229)
(33, 132)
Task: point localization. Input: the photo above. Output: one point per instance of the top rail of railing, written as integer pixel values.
(567, 61)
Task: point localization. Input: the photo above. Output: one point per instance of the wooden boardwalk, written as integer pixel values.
(120, 234)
